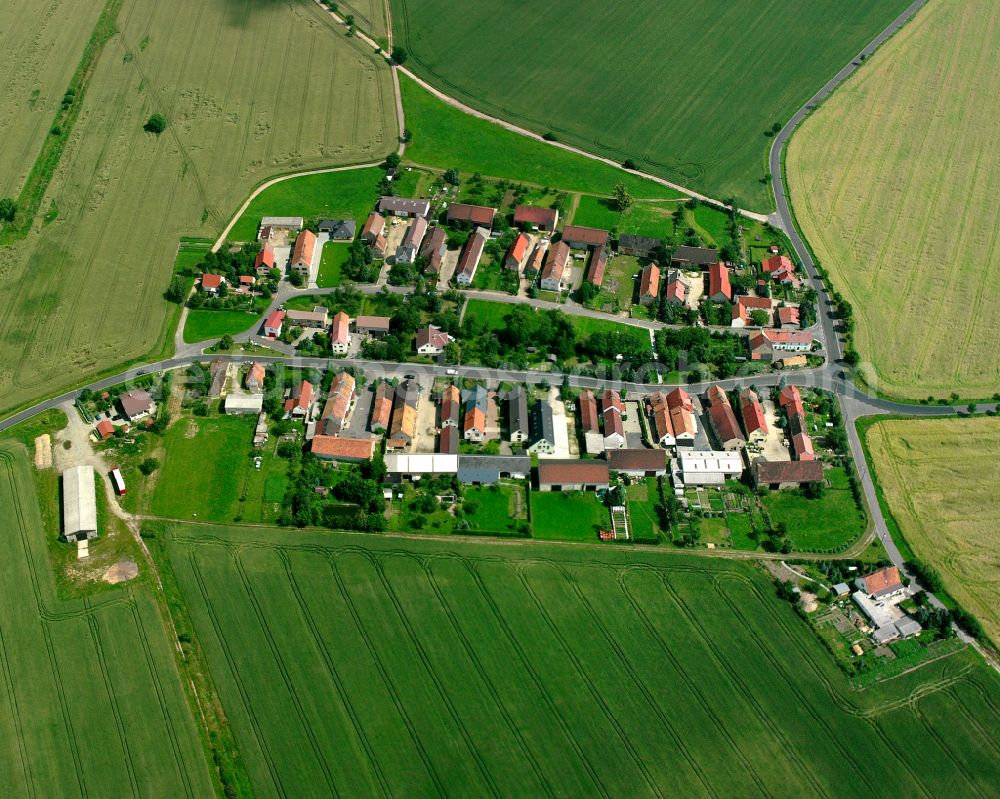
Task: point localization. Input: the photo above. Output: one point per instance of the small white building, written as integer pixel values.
(244, 403)
(709, 467)
(79, 503)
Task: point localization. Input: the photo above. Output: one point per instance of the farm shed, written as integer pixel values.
(79, 503)
(570, 475)
(244, 403)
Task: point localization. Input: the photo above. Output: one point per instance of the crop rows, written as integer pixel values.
(92, 681)
(539, 673)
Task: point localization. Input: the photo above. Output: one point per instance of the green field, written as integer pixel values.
(686, 90)
(828, 523)
(445, 137)
(202, 325)
(84, 291)
(894, 183)
(203, 468)
(426, 668)
(348, 194)
(572, 516)
(640, 219)
(92, 703)
(335, 255)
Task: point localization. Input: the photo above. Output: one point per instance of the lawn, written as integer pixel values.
(430, 667)
(350, 194)
(204, 468)
(445, 137)
(92, 702)
(739, 530)
(647, 81)
(84, 292)
(643, 499)
(568, 515)
(335, 255)
(202, 325)
(497, 509)
(489, 313)
(828, 523)
(641, 218)
(891, 187)
(939, 481)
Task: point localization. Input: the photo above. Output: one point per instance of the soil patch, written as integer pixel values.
(121, 572)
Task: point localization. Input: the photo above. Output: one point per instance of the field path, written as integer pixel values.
(267, 184)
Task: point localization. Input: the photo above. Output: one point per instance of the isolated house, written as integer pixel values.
(211, 284)
(723, 419)
(719, 289)
(638, 246)
(385, 393)
(448, 440)
(580, 237)
(471, 214)
(336, 410)
(537, 259)
(555, 270)
(406, 253)
(273, 323)
(536, 218)
(432, 250)
(518, 253)
(474, 420)
(472, 253)
(255, 377)
(403, 423)
(317, 318)
(339, 229)
(649, 284)
(673, 418)
(432, 340)
(543, 429)
(340, 333)
(451, 407)
(402, 206)
(754, 423)
(301, 400)
(373, 229)
(303, 252)
(788, 317)
(517, 415)
(569, 475)
(612, 411)
(597, 264)
(676, 291)
(374, 326)
(264, 261)
(589, 424)
(744, 307)
(767, 343)
(780, 269)
(882, 584)
(135, 404)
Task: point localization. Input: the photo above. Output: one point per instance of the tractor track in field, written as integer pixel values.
(384, 675)
(435, 679)
(286, 678)
(743, 689)
(535, 677)
(109, 689)
(586, 680)
(231, 662)
(481, 670)
(161, 700)
(692, 686)
(334, 674)
(614, 646)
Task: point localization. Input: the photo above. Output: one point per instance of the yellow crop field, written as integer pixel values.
(895, 182)
(38, 53)
(249, 90)
(940, 478)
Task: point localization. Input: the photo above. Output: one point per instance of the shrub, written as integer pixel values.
(148, 466)
(157, 123)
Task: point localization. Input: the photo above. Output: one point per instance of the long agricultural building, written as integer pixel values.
(79, 503)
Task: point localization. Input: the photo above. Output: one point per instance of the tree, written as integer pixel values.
(759, 317)
(148, 466)
(392, 160)
(851, 358)
(407, 136)
(8, 208)
(628, 163)
(450, 176)
(176, 291)
(813, 490)
(157, 123)
(622, 199)
(399, 54)
(226, 342)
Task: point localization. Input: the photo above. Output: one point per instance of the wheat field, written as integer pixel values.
(939, 478)
(895, 182)
(250, 90)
